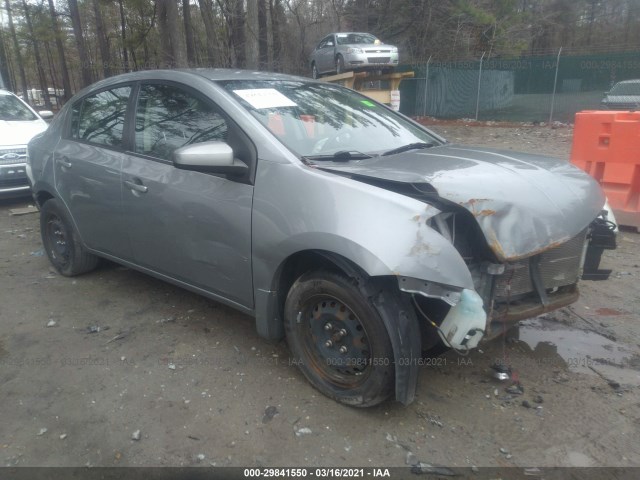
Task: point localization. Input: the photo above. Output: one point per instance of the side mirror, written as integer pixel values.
(209, 157)
(46, 114)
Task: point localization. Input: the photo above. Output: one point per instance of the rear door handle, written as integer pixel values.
(137, 187)
(64, 161)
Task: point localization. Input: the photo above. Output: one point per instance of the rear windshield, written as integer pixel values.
(12, 109)
(626, 89)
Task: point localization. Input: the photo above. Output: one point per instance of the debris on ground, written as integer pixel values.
(136, 435)
(51, 323)
(96, 328)
(23, 211)
(302, 431)
(269, 413)
(42, 432)
(515, 389)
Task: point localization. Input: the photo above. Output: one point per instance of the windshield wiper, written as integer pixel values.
(411, 146)
(341, 156)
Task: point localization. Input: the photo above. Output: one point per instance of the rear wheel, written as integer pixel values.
(339, 64)
(61, 242)
(339, 340)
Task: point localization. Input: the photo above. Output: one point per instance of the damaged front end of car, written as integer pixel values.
(527, 227)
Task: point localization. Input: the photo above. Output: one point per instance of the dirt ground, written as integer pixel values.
(87, 362)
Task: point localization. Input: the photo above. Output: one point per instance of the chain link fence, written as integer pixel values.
(526, 89)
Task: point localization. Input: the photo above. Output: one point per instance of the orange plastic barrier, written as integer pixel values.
(606, 145)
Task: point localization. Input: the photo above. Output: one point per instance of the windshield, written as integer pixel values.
(315, 119)
(12, 109)
(351, 38)
(626, 89)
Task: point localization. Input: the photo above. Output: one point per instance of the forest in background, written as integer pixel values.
(60, 46)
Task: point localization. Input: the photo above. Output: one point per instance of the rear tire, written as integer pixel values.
(339, 340)
(61, 242)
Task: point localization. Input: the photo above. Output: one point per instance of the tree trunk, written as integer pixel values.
(263, 42)
(237, 32)
(16, 46)
(123, 34)
(4, 67)
(36, 53)
(188, 33)
(85, 64)
(103, 41)
(66, 82)
(206, 10)
(276, 18)
(251, 35)
(173, 51)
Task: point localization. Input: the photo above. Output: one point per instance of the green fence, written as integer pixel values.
(526, 89)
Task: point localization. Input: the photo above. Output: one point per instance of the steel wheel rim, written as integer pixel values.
(57, 235)
(336, 341)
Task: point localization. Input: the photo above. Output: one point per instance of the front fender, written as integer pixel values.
(297, 208)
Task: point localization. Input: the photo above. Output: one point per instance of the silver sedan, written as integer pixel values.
(340, 52)
(349, 229)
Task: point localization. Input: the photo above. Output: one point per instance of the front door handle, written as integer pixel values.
(137, 187)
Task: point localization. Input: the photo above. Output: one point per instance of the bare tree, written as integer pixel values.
(85, 62)
(123, 35)
(188, 33)
(66, 82)
(16, 46)
(173, 51)
(103, 41)
(36, 53)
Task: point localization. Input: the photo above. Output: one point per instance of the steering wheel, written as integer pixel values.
(340, 140)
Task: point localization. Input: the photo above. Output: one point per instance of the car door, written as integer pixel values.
(191, 226)
(87, 164)
(325, 55)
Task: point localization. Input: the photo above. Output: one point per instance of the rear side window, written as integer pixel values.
(168, 117)
(100, 118)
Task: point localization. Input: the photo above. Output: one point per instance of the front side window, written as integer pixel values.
(321, 119)
(100, 118)
(13, 110)
(168, 117)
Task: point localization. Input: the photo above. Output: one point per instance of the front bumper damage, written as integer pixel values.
(514, 291)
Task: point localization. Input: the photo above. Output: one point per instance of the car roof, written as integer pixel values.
(213, 74)
(635, 80)
(357, 33)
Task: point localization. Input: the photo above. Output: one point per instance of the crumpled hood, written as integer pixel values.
(19, 133)
(524, 203)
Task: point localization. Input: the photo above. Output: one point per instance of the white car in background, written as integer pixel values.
(19, 123)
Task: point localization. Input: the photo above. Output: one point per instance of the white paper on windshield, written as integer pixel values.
(264, 98)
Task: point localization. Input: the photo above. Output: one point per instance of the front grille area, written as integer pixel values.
(378, 59)
(558, 267)
(10, 156)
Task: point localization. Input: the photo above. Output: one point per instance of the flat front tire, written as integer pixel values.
(61, 242)
(339, 340)
(314, 72)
